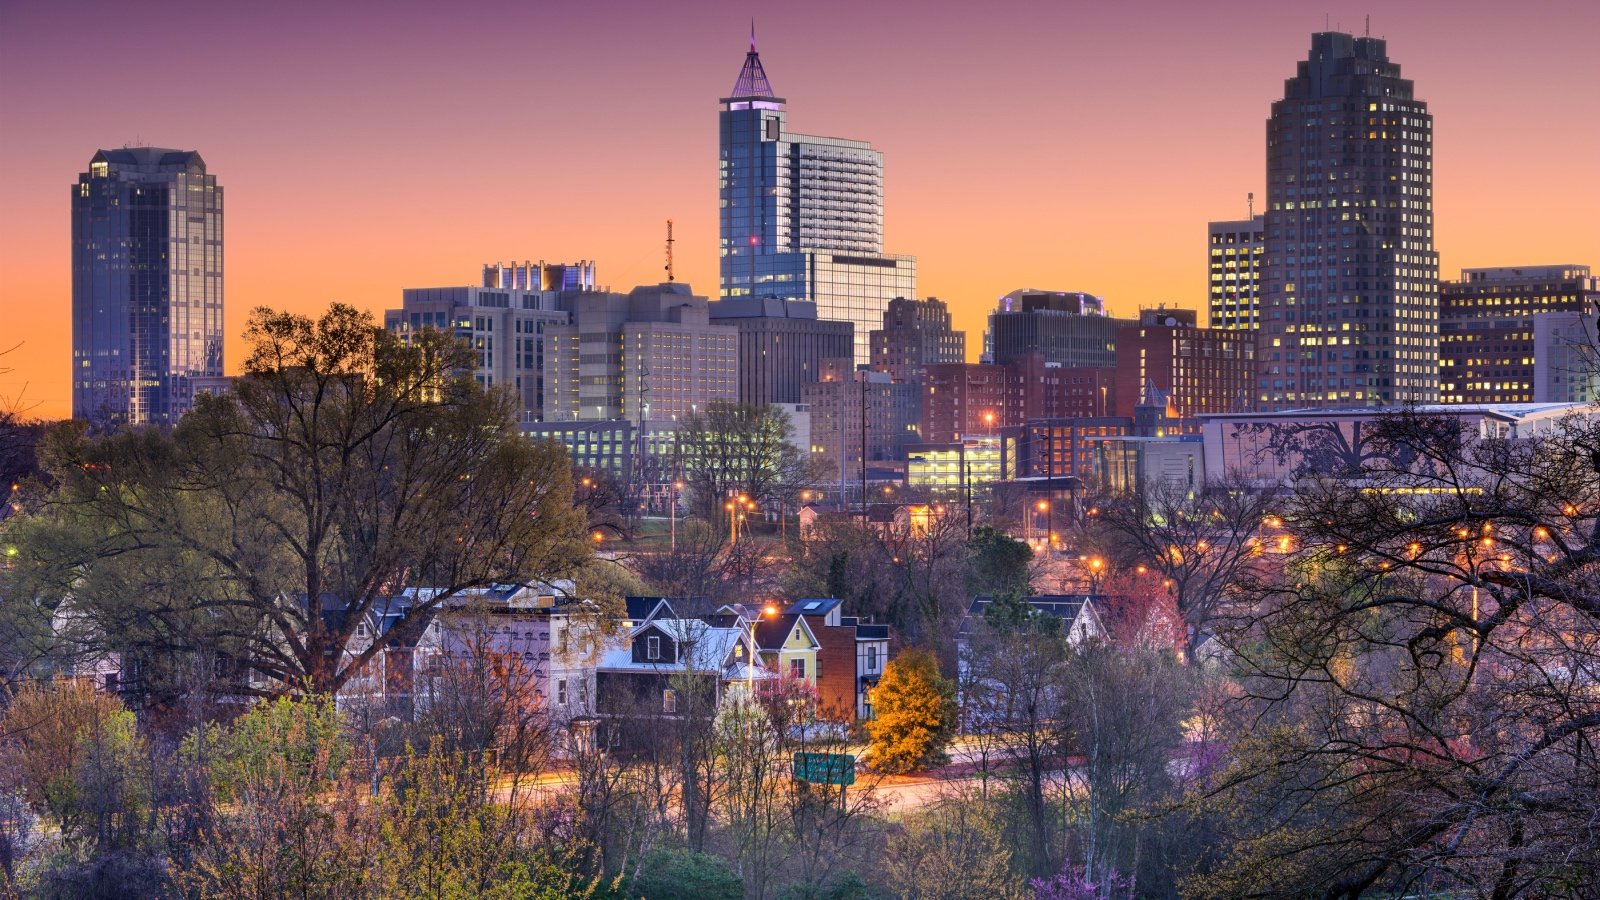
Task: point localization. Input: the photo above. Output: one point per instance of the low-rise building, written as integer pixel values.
(851, 655)
(1278, 447)
(951, 472)
(662, 659)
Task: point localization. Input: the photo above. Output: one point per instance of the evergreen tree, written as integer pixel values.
(914, 714)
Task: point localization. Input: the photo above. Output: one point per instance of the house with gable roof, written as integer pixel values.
(664, 657)
(850, 657)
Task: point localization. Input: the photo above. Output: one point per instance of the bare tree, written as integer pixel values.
(1422, 671)
(1202, 543)
(1016, 674)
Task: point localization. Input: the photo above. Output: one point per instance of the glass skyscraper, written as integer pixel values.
(146, 285)
(802, 216)
(1350, 300)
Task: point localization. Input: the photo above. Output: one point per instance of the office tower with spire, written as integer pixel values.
(146, 285)
(802, 216)
(1350, 300)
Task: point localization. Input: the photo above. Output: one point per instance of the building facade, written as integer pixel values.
(1058, 448)
(916, 334)
(1199, 370)
(541, 276)
(782, 344)
(801, 215)
(949, 471)
(856, 412)
(1566, 358)
(650, 354)
(1069, 329)
(1487, 331)
(1234, 252)
(1281, 446)
(1349, 309)
(505, 327)
(146, 285)
(976, 398)
(959, 399)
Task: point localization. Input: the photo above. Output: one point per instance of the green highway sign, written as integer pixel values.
(825, 768)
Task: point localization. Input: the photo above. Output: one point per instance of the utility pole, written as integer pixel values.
(863, 377)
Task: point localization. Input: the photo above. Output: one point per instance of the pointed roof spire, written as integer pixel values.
(752, 81)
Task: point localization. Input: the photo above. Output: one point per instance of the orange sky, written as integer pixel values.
(367, 147)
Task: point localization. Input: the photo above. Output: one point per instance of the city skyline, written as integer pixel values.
(1109, 191)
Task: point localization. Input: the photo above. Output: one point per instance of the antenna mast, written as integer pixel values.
(669, 251)
(1250, 203)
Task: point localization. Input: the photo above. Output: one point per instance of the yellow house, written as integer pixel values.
(788, 646)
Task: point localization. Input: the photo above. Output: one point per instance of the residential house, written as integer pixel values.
(1079, 615)
(788, 646)
(851, 655)
(665, 657)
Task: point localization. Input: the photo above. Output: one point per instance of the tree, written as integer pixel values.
(913, 714)
(686, 875)
(1015, 666)
(1001, 565)
(42, 736)
(952, 850)
(1419, 674)
(1121, 713)
(737, 449)
(345, 464)
(1203, 544)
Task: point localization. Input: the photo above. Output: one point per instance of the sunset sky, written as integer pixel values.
(366, 147)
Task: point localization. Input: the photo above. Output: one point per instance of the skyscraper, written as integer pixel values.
(1233, 260)
(1350, 305)
(802, 216)
(146, 284)
(1198, 370)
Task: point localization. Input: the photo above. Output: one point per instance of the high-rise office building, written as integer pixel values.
(782, 344)
(916, 334)
(1069, 328)
(146, 284)
(652, 354)
(503, 321)
(1489, 323)
(1197, 370)
(1350, 302)
(802, 216)
(1233, 259)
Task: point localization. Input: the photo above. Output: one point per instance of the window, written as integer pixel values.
(872, 658)
(652, 648)
(669, 700)
(561, 692)
(797, 668)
